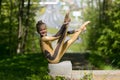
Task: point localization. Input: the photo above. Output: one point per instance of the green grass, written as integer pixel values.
(75, 47)
(23, 67)
(100, 63)
(52, 30)
(33, 67)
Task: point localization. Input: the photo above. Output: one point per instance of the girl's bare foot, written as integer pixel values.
(83, 27)
(67, 18)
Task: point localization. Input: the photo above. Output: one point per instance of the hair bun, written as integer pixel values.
(40, 22)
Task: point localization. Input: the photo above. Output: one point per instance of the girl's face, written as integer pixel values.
(43, 30)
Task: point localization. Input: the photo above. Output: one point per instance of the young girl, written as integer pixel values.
(54, 55)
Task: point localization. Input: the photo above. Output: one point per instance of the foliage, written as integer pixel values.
(100, 63)
(103, 35)
(25, 67)
(9, 22)
(92, 14)
(108, 42)
(22, 67)
(7, 42)
(88, 77)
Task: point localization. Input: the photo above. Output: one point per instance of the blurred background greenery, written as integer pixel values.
(20, 53)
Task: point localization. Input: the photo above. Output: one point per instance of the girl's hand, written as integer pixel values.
(67, 17)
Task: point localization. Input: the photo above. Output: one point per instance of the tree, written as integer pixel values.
(103, 35)
(109, 40)
(92, 13)
(20, 25)
(15, 17)
(26, 26)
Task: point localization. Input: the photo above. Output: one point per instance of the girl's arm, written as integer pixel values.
(49, 38)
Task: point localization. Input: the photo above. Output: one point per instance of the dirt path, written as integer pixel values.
(96, 74)
(81, 68)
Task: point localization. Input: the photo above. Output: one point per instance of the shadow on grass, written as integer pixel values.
(23, 67)
(79, 61)
(87, 61)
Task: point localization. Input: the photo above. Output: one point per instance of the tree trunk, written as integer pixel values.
(20, 29)
(100, 17)
(10, 27)
(0, 7)
(26, 27)
(106, 4)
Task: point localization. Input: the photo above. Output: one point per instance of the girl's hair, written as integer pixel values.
(38, 25)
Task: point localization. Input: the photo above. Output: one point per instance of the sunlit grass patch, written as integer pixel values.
(23, 67)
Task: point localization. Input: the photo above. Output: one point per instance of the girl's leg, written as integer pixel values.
(62, 33)
(73, 38)
(65, 24)
(56, 53)
(59, 44)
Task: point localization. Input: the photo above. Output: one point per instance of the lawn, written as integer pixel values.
(23, 67)
(32, 67)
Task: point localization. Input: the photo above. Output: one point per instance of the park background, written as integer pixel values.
(20, 54)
